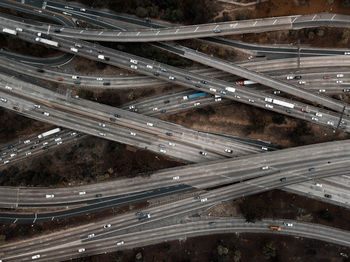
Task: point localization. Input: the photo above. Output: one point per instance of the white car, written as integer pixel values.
(45, 143)
(6, 162)
(120, 243)
(314, 118)
(26, 141)
(82, 193)
(28, 153)
(133, 61)
(81, 250)
(91, 235)
(265, 167)
(13, 155)
(212, 89)
(36, 256)
(102, 134)
(155, 108)
(59, 142)
(204, 199)
(318, 184)
(150, 124)
(218, 99)
(339, 81)
(19, 29)
(101, 125)
(46, 114)
(318, 114)
(287, 224)
(196, 104)
(131, 107)
(251, 100)
(340, 75)
(322, 90)
(50, 196)
(133, 67)
(107, 226)
(171, 144)
(73, 134)
(73, 49)
(264, 148)
(228, 150)
(149, 66)
(301, 82)
(269, 106)
(8, 87)
(75, 77)
(331, 123)
(290, 77)
(3, 100)
(133, 133)
(58, 139)
(171, 78)
(162, 151)
(99, 79)
(176, 177)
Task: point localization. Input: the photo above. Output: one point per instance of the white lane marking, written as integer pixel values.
(100, 33)
(14, 222)
(233, 25)
(314, 17)
(216, 27)
(295, 18)
(255, 23)
(158, 33)
(119, 33)
(274, 22)
(81, 31)
(36, 215)
(48, 30)
(137, 33)
(177, 30)
(333, 17)
(196, 29)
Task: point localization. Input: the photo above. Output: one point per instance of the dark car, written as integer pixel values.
(106, 58)
(169, 134)
(40, 70)
(166, 102)
(212, 223)
(77, 82)
(163, 111)
(117, 116)
(297, 77)
(327, 195)
(32, 147)
(204, 82)
(106, 83)
(56, 30)
(197, 85)
(10, 146)
(45, 147)
(312, 169)
(283, 179)
(156, 73)
(112, 119)
(188, 78)
(98, 195)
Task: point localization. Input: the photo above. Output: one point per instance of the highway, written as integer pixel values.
(127, 223)
(259, 171)
(182, 77)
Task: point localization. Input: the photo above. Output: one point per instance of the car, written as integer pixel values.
(331, 123)
(287, 224)
(326, 77)
(318, 114)
(162, 151)
(73, 133)
(107, 58)
(211, 223)
(340, 75)
(264, 148)
(327, 195)
(301, 82)
(154, 108)
(131, 107)
(149, 66)
(117, 115)
(163, 111)
(32, 147)
(265, 167)
(99, 79)
(203, 153)
(82, 193)
(283, 179)
(78, 45)
(161, 146)
(13, 155)
(346, 90)
(81, 250)
(38, 255)
(166, 101)
(238, 97)
(163, 70)
(91, 235)
(107, 226)
(223, 92)
(212, 89)
(133, 133)
(290, 77)
(133, 61)
(227, 150)
(112, 119)
(26, 141)
(98, 195)
(133, 67)
(77, 82)
(10, 146)
(102, 134)
(120, 243)
(204, 82)
(59, 142)
(198, 85)
(171, 78)
(318, 184)
(6, 162)
(45, 147)
(204, 199)
(169, 134)
(58, 139)
(40, 70)
(101, 125)
(269, 106)
(297, 77)
(46, 114)
(50, 196)
(100, 51)
(171, 144)
(276, 92)
(346, 53)
(28, 153)
(4, 100)
(339, 81)
(56, 30)
(106, 83)
(251, 100)
(322, 90)
(196, 104)
(59, 79)
(82, 9)
(149, 124)
(75, 77)
(187, 78)
(217, 31)
(314, 118)
(312, 169)
(156, 73)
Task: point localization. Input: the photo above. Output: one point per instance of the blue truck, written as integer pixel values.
(191, 96)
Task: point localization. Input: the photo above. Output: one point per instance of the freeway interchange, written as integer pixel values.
(226, 167)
